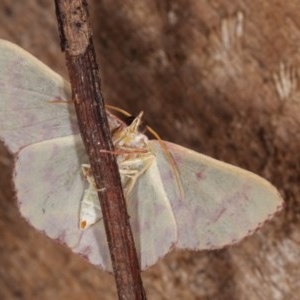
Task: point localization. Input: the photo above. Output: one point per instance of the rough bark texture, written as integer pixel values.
(220, 77)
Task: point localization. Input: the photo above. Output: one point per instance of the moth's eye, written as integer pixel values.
(142, 127)
(129, 120)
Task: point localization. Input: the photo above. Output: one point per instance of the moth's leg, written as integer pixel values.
(124, 169)
(87, 173)
(126, 150)
(85, 168)
(133, 175)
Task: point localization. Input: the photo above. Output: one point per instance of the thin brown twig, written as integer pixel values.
(76, 41)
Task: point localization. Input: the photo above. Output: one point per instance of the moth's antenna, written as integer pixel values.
(120, 110)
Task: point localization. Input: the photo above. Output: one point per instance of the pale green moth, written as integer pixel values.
(220, 204)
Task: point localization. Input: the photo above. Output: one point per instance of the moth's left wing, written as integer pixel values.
(49, 186)
(35, 102)
(221, 203)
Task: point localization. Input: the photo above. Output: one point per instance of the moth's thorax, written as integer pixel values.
(133, 150)
(133, 158)
(129, 137)
(132, 140)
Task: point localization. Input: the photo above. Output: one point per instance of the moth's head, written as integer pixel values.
(132, 135)
(135, 124)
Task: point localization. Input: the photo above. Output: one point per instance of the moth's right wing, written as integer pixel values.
(221, 205)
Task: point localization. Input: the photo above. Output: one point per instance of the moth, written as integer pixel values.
(176, 197)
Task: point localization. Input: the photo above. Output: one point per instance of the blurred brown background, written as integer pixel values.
(220, 77)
